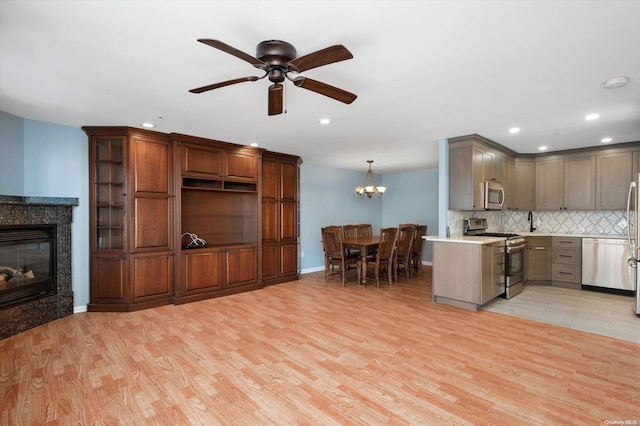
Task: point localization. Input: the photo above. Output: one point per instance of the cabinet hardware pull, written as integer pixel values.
(565, 255)
(539, 248)
(565, 273)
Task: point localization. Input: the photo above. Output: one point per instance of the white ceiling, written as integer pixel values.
(422, 70)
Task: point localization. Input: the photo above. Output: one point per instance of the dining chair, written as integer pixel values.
(336, 261)
(364, 230)
(383, 259)
(402, 256)
(350, 232)
(417, 247)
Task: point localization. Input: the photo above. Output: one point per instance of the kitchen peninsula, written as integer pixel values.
(468, 271)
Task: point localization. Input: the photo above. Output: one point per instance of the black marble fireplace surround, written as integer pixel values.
(15, 210)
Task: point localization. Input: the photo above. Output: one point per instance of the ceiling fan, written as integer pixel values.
(277, 59)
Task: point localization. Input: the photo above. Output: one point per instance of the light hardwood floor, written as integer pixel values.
(313, 353)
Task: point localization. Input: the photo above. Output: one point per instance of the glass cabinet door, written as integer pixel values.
(109, 181)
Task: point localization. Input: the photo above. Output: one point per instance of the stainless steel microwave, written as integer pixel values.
(493, 195)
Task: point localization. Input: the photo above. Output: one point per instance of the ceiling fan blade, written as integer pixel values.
(222, 84)
(233, 51)
(325, 89)
(275, 99)
(322, 57)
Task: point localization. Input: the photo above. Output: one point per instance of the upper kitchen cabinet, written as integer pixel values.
(613, 175)
(472, 160)
(523, 187)
(565, 182)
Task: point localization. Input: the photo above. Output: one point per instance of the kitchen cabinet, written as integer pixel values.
(613, 175)
(467, 275)
(492, 166)
(472, 160)
(131, 218)
(524, 186)
(566, 260)
(565, 183)
(280, 217)
(538, 260)
(466, 177)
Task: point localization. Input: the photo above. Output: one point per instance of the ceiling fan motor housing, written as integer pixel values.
(276, 54)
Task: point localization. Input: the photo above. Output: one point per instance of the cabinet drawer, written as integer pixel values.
(565, 256)
(574, 242)
(566, 273)
(539, 241)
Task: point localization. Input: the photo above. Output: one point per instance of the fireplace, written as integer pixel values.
(27, 263)
(35, 261)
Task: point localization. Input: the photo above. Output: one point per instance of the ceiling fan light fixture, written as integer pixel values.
(369, 188)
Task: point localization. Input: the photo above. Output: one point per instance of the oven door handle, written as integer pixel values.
(519, 246)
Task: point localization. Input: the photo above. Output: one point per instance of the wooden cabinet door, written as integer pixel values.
(579, 183)
(201, 271)
(477, 179)
(270, 221)
(151, 165)
(550, 184)
(289, 260)
(109, 274)
(613, 175)
(201, 161)
(524, 186)
(289, 181)
(270, 261)
(152, 223)
(241, 266)
(539, 259)
(241, 166)
(270, 179)
(288, 221)
(152, 276)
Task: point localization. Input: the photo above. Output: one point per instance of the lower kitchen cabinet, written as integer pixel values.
(538, 259)
(566, 261)
(467, 275)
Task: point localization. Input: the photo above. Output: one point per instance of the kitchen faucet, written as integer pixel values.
(530, 219)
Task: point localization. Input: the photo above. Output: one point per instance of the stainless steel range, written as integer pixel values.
(514, 253)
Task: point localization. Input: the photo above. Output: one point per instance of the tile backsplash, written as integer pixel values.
(590, 222)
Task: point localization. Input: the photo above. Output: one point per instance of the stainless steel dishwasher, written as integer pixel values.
(604, 264)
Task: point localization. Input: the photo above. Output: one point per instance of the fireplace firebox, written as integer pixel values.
(27, 263)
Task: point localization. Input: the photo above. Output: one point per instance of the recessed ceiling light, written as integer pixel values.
(591, 117)
(606, 140)
(325, 121)
(148, 125)
(514, 130)
(254, 144)
(542, 148)
(614, 83)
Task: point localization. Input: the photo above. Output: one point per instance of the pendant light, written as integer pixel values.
(369, 188)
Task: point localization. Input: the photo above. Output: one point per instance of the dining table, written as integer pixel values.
(364, 244)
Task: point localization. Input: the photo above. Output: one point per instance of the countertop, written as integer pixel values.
(464, 239)
(488, 240)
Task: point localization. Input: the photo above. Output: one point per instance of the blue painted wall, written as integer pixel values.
(51, 160)
(11, 154)
(327, 197)
(412, 197)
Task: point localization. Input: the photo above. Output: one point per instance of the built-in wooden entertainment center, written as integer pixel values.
(150, 192)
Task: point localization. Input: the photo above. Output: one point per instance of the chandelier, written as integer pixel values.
(369, 188)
